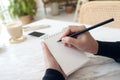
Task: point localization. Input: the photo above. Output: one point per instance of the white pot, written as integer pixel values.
(55, 8)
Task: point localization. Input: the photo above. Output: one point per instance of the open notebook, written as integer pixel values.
(69, 59)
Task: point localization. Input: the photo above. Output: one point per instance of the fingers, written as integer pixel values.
(72, 29)
(76, 28)
(68, 41)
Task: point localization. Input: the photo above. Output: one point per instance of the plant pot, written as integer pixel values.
(26, 19)
(69, 9)
(55, 8)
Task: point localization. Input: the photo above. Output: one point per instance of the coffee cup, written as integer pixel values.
(16, 32)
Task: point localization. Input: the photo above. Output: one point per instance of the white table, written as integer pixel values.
(24, 61)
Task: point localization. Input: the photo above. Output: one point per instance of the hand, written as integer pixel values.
(83, 42)
(50, 61)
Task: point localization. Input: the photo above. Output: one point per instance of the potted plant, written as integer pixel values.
(69, 6)
(54, 7)
(23, 9)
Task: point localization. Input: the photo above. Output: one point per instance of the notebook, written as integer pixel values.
(69, 59)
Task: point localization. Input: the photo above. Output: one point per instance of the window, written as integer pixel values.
(4, 11)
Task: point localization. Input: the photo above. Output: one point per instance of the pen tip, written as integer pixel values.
(112, 19)
(59, 40)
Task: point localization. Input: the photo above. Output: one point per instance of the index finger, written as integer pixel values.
(71, 29)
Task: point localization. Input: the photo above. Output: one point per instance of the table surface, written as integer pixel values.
(24, 61)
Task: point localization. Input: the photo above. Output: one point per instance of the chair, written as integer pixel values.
(79, 4)
(96, 11)
(45, 4)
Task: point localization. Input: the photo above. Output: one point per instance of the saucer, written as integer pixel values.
(19, 40)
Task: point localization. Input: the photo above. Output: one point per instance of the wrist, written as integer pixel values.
(96, 48)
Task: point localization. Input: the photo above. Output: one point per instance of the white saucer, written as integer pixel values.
(22, 39)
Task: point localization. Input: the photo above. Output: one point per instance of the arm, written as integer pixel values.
(53, 70)
(109, 49)
(85, 42)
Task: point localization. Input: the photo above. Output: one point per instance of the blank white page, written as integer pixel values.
(70, 59)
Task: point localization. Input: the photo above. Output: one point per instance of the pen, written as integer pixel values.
(90, 28)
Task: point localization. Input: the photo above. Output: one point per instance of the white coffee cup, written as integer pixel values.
(15, 31)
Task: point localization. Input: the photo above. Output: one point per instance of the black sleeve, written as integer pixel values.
(52, 74)
(109, 49)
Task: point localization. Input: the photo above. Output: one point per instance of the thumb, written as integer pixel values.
(70, 40)
(45, 48)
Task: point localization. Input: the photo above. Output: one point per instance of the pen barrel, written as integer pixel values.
(77, 33)
(92, 27)
(87, 29)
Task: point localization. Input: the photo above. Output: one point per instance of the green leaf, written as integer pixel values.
(19, 8)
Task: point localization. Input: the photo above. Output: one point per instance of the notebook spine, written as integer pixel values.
(50, 36)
